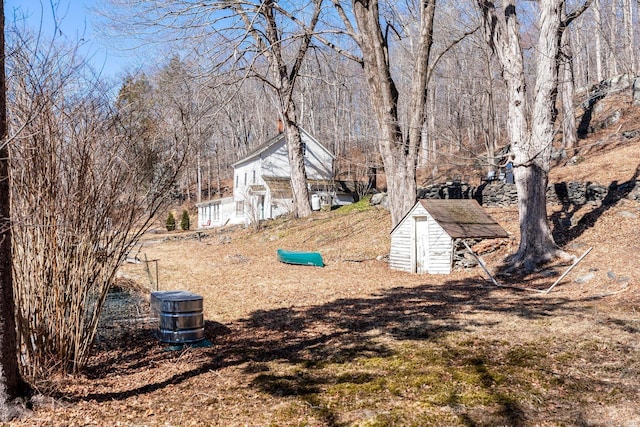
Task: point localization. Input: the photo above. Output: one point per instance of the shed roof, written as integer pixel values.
(463, 218)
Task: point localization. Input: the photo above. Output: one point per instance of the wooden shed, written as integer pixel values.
(423, 241)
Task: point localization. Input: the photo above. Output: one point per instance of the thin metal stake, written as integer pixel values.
(568, 270)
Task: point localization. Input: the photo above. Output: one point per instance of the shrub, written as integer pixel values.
(171, 222)
(184, 221)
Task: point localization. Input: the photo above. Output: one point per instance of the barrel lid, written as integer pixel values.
(175, 295)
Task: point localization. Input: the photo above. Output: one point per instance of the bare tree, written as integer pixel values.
(11, 385)
(567, 82)
(530, 142)
(267, 35)
(598, 39)
(387, 33)
(399, 150)
(252, 39)
(629, 36)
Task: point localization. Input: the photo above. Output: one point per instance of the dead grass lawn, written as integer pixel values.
(357, 344)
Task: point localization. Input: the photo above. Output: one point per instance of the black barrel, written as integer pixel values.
(179, 315)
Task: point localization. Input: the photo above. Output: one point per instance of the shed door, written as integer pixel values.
(422, 244)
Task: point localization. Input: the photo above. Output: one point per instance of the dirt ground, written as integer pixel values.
(284, 339)
(357, 344)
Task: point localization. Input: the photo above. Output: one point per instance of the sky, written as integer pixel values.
(76, 23)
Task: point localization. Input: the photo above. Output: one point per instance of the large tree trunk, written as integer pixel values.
(531, 150)
(299, 187)
(569, 131)
(399, 154)
(598, 40)
(533, 159)
(285, 79)
(612, 62)
(11, 385)
(629, 46)
(503, 33)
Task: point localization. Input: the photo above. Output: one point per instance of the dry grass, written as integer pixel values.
(357, 344)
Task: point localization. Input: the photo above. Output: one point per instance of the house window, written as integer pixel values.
(245, 178)
(240, 208)
(237, 180)
(253, 176)
(215, 212)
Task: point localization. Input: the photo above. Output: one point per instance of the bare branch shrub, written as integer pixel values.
(83, 192)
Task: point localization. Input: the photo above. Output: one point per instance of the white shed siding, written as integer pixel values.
(440, 249)
(403, 245)
(400, 257)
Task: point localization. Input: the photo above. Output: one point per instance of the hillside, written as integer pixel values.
(357, 344)
(610, 152)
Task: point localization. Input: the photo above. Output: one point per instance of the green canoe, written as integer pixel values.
(300, 258)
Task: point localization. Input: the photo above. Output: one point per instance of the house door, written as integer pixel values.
(261, 207)
(421, 238)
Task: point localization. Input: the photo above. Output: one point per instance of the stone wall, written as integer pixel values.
(498, 193)
(449, 190)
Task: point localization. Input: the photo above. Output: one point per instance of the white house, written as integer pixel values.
(262, 183)
(423, 241)
(215, 212)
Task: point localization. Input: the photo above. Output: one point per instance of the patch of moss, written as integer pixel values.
(525, 355)
(414, 417)
(450, 381)
(359, 206)
(289, 411)
(355, 378)
(348, 388)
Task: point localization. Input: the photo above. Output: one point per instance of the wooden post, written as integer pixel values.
(146, 263)
(481, 264)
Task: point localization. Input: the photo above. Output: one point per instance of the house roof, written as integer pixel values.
(257, 189)
(279, 138)
(463, 218)
(214, 201)
(260, 149)
(281, 187)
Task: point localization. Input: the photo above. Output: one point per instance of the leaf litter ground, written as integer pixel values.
(355, 343)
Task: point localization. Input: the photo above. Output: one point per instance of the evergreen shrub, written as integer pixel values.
(185, 224)
(171, 222)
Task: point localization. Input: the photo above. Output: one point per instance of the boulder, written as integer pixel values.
(620, 82)
(380, 199)
(634, 194)
(585, 278)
